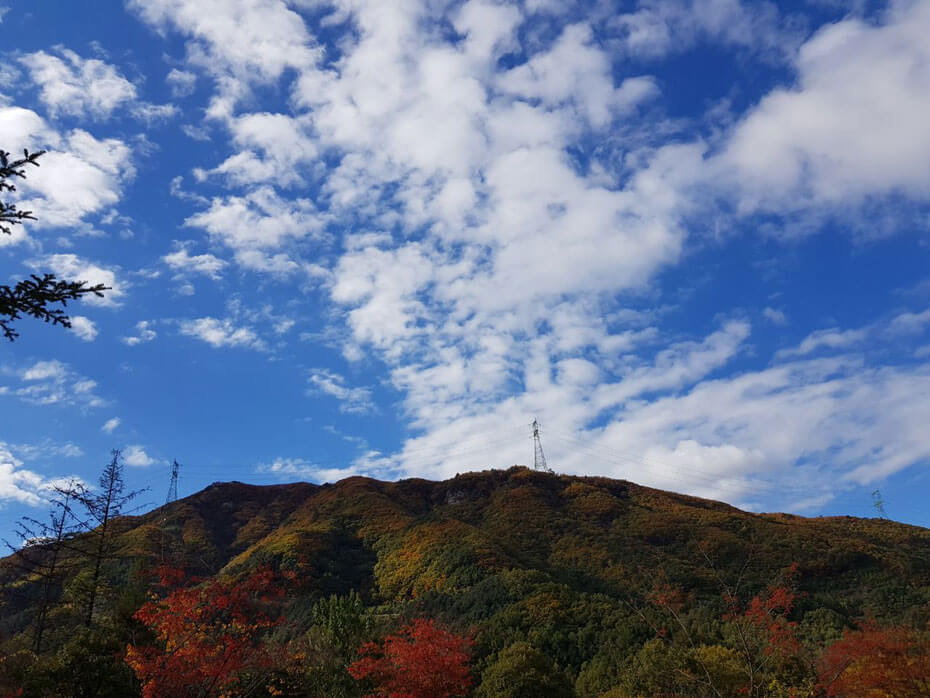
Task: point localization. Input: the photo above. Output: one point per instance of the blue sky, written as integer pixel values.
(381, 237)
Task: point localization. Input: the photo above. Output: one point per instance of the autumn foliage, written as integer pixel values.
(876, 661)
(581, 587)
(763, 626)
(207, 637)
(423, 660)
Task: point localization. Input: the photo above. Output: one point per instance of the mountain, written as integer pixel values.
(579, 568)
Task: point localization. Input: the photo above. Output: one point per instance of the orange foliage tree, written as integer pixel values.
(423, 660)
(761, 635)
(876, 661)
(207, 637)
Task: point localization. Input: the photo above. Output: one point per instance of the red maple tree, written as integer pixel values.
(208, 637)
(423, 660)
(876, 661)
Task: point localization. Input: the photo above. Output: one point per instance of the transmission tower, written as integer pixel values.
(172, 546)
(539, 458)
(173, 487)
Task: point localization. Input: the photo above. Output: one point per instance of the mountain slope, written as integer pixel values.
(567, 563)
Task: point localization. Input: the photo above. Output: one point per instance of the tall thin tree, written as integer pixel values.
(103, 506)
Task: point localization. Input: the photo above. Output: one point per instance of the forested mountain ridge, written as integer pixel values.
(596, 583)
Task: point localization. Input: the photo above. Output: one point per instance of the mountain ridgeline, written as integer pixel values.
(584, 585)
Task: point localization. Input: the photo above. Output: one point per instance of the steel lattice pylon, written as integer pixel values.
(539, 458)
(173, 487)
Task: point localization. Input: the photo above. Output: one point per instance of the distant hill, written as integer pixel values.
(570, 565)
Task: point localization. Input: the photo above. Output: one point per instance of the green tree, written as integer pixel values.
(522, 671)
(320, 657)
(38, 295)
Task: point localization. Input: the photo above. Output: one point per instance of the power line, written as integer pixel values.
(742, 487)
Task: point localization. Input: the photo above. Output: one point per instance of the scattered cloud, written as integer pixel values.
(833, 338)
(775, 316)
(46, 449)
(271, 148)
(253, 41)
(76, 86)
(261, 219)
(221, 333)
(657, 29)
(84, 328)
(910, 323)
(144, 333)
(351, 400)
(86, 87)
(206, 264)
(291, 468)
(136, 457)
(18, 483)
(182, 82)
(55, 383)
(110, 425)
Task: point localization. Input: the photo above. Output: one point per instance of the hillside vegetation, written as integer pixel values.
(543, 584)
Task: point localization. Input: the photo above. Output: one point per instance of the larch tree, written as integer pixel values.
(102, 507)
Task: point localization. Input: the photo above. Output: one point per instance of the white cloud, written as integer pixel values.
(151, 113)
(279, 264)
(47, 449)
(77, 86)
(351, 400)
(272, 148)
(826, 420)
(54, 383)
(43, 370)
(910, 323)
(775, 316)
(87, 87)
(206, 264)
(833, 338)
(182, 82)
(255, 40)
(221, 333)
(18, 483)
(657, 29)
(855, 125)
(305, 470)
(259, 220)
(677, 366)
(84, 328)
(575, 71)
(144, 333)
(136, 457)
(111, 424)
